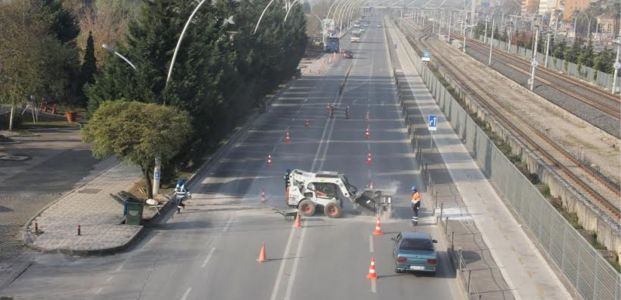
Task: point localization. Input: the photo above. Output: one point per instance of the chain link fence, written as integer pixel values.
(588, 272)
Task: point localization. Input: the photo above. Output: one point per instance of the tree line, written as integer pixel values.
(579, 51)
(221, 73)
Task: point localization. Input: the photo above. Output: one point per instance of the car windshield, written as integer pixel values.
(416, 244)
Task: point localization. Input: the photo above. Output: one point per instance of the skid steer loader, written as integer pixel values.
(308, 190)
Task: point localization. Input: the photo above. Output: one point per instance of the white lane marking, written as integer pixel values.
(185, 295)
(295, 264)
(371, 247)
(109, 278)
(119, 268)
(98, 291)
(282, 264)
(228, 224)
(208, 257)
(374, 286)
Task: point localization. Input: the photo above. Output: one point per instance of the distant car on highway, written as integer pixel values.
(379, 25)
(348, 54)
(415, 252)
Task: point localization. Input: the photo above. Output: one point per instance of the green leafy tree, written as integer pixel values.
(137, 133)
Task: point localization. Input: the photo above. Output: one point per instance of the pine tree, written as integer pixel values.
(88, 69)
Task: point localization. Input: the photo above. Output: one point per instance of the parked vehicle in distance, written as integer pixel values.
(415, 252)
(348, 54)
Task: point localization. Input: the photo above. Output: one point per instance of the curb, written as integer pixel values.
(27, 239)
(216, 156)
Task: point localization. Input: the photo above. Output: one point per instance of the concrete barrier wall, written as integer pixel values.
(590, 274)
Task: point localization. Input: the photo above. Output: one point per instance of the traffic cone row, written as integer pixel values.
(287, 137)
(369, 159)
(269, 160)
(367, 133)
(372, 274)
(378, 228)
(262, 255)
(298, 221)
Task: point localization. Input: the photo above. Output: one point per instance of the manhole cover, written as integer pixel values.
(89, 191)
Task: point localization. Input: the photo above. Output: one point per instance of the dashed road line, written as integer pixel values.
(298, 253)
(109, 278)
(371, 247)
(206, 261)
(185, 295)
(281, 269)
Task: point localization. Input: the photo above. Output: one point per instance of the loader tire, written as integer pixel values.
(333, 210)
(306, 208)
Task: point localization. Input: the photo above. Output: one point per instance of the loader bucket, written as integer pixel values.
(369, 200)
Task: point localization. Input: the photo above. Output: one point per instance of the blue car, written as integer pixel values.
(415, 252)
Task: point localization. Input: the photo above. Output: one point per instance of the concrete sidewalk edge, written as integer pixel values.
(27, 235)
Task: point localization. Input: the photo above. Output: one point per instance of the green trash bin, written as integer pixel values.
(133, 211)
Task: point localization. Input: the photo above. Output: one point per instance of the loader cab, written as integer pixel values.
(322, 190)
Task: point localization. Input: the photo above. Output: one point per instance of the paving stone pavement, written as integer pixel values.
(91, 207)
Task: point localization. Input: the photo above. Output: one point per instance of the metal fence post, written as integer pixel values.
(452, 240)
(446, 228)
(468, 282)
(441, 209)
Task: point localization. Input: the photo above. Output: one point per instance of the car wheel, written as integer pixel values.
(332, 210)
(306, 208)
(398, 271)
(432, 274)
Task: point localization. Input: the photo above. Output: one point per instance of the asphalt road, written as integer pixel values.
(209, 251)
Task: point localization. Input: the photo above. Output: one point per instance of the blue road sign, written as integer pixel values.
(432, 122)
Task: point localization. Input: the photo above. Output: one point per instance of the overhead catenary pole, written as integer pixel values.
(534, 60)
(545, 62)
(491, 43)
(617, 66)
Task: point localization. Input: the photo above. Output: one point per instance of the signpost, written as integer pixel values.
(426, 56)
(432, 122)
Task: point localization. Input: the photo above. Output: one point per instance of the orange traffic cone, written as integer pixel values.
(367, 133)
(287, 137)
(269, 160)
(370, 185)
(263, 196)
(298, 221)
(262, 254)
(307, 123)
(378, 228)
(369, 159)
(372, 274)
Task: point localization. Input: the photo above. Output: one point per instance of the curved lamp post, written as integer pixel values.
(158, 163)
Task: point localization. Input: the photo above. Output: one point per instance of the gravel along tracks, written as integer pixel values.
(550, 132)
(592, 104)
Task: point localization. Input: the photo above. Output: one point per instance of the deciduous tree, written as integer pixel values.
(137, 133)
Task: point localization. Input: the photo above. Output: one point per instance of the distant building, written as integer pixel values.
(546, 7)
(608, 25)
(529, 7)
(571, 6)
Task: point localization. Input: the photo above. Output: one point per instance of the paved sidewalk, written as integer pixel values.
(523, 267)
(91, 207)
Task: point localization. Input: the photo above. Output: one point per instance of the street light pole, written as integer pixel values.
(110, 49)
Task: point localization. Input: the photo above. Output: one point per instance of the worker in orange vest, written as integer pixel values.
(416, 200)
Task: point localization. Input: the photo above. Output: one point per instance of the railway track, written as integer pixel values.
(601, 100)
(590, 184)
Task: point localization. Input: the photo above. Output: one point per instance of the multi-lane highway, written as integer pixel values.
(209, 251)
